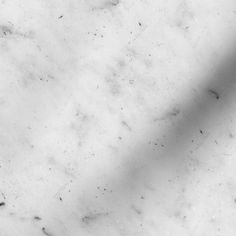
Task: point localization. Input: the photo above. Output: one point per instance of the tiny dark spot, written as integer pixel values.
(2, 203)
(6, 30)
(139, 24)
(37, 218)
(201, 131)
(87, 219)
(142, 197)
(60, 17)
(169, 115)
(214, 93)
(45, 232)
(125, 124)
(136, 210)
(60, 198)
(114, 2)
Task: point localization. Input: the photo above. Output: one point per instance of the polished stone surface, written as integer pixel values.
(117, 117)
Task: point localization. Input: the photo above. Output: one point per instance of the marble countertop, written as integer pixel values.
(117, 118)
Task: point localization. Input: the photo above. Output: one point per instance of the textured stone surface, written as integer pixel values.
(117, 117)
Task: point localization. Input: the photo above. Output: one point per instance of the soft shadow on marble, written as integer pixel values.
(117, 117)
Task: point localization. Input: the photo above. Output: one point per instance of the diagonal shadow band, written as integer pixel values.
(146, 165)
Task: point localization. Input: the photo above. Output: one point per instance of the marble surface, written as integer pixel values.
(117, 117)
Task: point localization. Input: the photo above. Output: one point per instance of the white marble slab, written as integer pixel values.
(117, 117)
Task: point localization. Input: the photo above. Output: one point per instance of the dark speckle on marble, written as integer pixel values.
(125, 124)
(45, 232)
(2, 204)
(114, 2)
(5, 30)
(91, 217)
(136, 210)
(105, 4)
(214, 93)
(175, 112)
